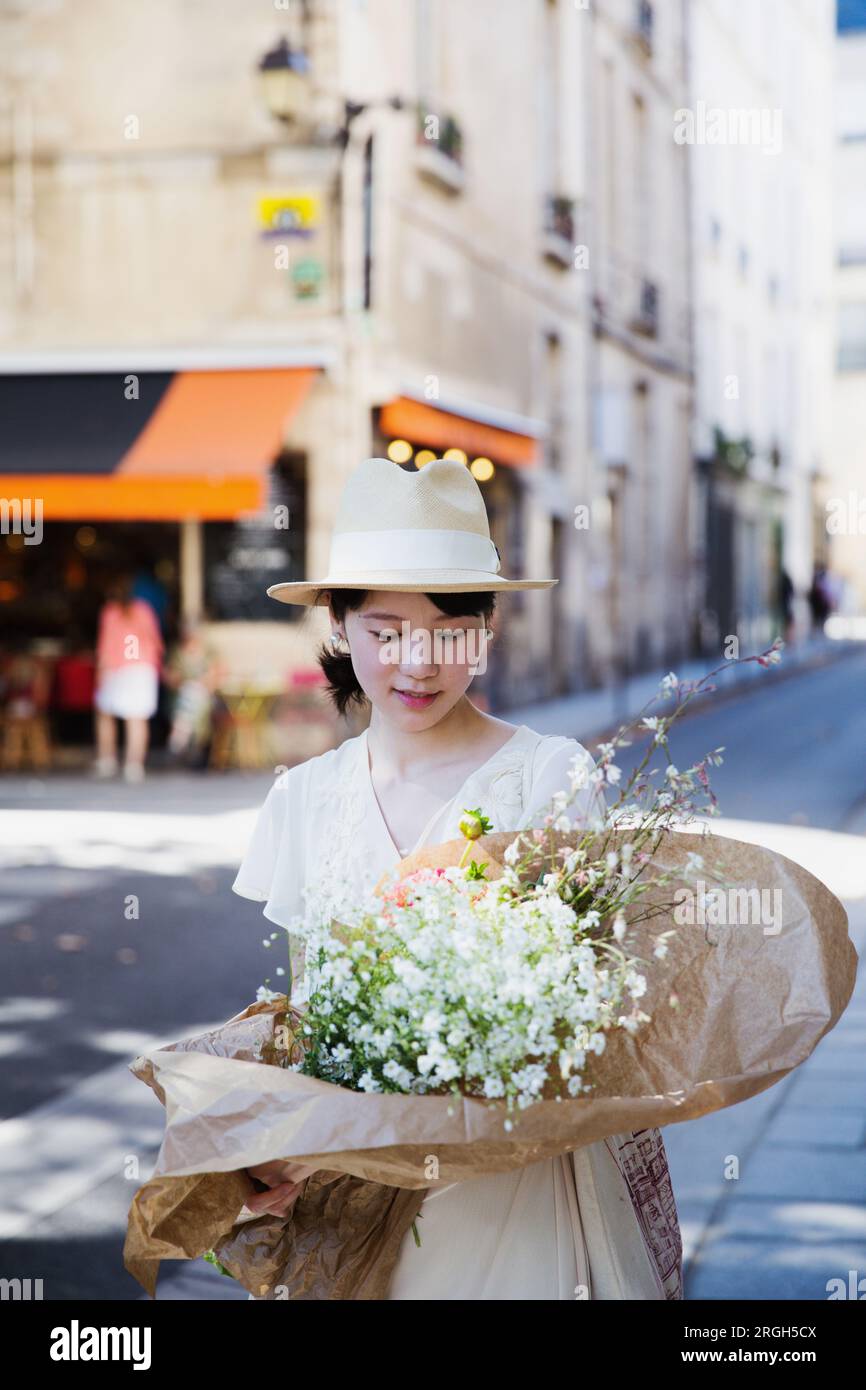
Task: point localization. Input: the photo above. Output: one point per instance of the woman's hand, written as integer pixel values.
(285, 1182)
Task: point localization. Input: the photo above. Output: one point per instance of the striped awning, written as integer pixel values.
(148, 446)
(438, 428)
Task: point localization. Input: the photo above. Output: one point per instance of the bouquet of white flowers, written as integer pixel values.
(463, 983)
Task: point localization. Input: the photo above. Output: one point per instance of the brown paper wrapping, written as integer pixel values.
(752, 1006)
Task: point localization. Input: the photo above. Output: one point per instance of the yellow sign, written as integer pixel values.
(292, 214)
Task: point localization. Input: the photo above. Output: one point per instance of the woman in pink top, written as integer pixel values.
(129, 654)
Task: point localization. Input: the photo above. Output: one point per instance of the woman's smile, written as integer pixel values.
(414, 700)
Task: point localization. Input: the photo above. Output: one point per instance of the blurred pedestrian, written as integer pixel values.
(150, 588)
(819, 596)
(129, 652)
(786, 603)
(74, 685)
(194, 672)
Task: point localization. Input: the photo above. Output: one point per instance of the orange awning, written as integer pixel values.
(195, 444)
(113, 497)
(422, 423)
(229, 423)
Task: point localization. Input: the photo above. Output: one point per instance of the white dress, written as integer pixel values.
(599, 1223)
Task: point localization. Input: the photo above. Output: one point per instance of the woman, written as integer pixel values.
(411, 589)
(129, 652)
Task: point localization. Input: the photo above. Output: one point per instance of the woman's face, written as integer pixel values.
(413, 661)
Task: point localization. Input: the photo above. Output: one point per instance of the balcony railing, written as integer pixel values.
(440, 148)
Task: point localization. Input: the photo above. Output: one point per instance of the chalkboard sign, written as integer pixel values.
(244, 557)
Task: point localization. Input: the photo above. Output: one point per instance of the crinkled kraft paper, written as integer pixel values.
(753, 1002)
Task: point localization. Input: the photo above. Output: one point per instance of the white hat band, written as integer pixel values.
(379, 551)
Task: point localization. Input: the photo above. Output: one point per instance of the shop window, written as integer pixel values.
(244, 557)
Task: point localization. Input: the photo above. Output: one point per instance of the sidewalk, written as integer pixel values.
(597, 714)
(794, 1216)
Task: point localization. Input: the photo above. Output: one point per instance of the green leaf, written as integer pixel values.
(212, 1260)
(476, 870)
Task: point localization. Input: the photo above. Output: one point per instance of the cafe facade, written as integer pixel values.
(210, 476)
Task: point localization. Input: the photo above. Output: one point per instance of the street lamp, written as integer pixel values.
(284, 74)
(285, 82)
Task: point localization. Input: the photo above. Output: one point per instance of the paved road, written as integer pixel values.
(118, 930)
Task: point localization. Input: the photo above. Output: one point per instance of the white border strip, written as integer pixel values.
(164, 359)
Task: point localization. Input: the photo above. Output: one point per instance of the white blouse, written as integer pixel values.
(570, 1227)
(321, 840)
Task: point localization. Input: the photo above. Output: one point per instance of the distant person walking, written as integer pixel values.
(786, 603)
(129, 652)
(820, 598)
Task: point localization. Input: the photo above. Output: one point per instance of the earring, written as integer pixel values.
(335, 639)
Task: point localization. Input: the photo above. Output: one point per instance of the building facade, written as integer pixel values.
(247, 246)
(758, 129)
(845, 494)
(643, 563)
(243, 247)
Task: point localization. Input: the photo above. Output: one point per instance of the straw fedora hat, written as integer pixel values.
(424, 531)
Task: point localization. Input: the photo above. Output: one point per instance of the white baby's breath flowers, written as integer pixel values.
(579, 773)
(661, 944)
(656, 726)
(474, 989)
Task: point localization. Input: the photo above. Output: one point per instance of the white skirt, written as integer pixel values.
(129, 692)
(560, 1229)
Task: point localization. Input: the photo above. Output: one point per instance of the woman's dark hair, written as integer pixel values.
(342, 683)
(119, 587)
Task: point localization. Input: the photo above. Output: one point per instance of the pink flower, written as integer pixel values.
(398, 892)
